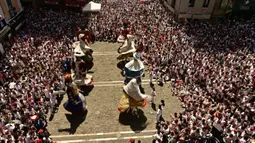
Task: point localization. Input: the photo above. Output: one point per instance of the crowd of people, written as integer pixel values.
(209, 67)
(31, 70)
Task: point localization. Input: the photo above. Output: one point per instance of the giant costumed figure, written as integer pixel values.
(76, 77)
(128, 48)
(76, 102)
(134, 68)
(82, 62)
(133, 96)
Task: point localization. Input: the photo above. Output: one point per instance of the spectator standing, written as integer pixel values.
(159, 116)
(131, 140)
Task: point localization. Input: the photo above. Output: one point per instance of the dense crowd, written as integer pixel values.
(210, 67)
(31, 70)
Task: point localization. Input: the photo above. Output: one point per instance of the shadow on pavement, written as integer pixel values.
(75, 120)
(153, 106)
(137, 122)
(85, 90)
(51, 117)
(91, 72)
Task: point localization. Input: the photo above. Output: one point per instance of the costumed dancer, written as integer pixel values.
(132, 97)
(76, 102)
(133, 92)
(82, 62)
(134, 69)
(128, 48)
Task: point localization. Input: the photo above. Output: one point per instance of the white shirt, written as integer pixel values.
(159, 113)
(46, 92)
(10, 126)
(158, 136)
(12, 85)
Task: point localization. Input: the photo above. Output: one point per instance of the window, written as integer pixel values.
(9, 3)
(12, 9)
(1, 13)
(226, 4)
(191, 3)
(245, 5)
(173, 3)
(206, 3)
(246, 2)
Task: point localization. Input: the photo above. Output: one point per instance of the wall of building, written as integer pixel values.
(219, 9)
(230, 8)
(16, 5)
(1, 12)
(198, 7)
(240, 5)
(6, 9)
(183, 10)
(35, 3)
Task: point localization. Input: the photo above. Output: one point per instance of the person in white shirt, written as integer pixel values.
(52, 101)
(159, 117)
(158, 136)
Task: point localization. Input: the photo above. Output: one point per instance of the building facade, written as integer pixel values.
(75, 3)
(11, 12)
(35, 3)
(243, 8)
(191, 9)
(10, 8)
(233, 8)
